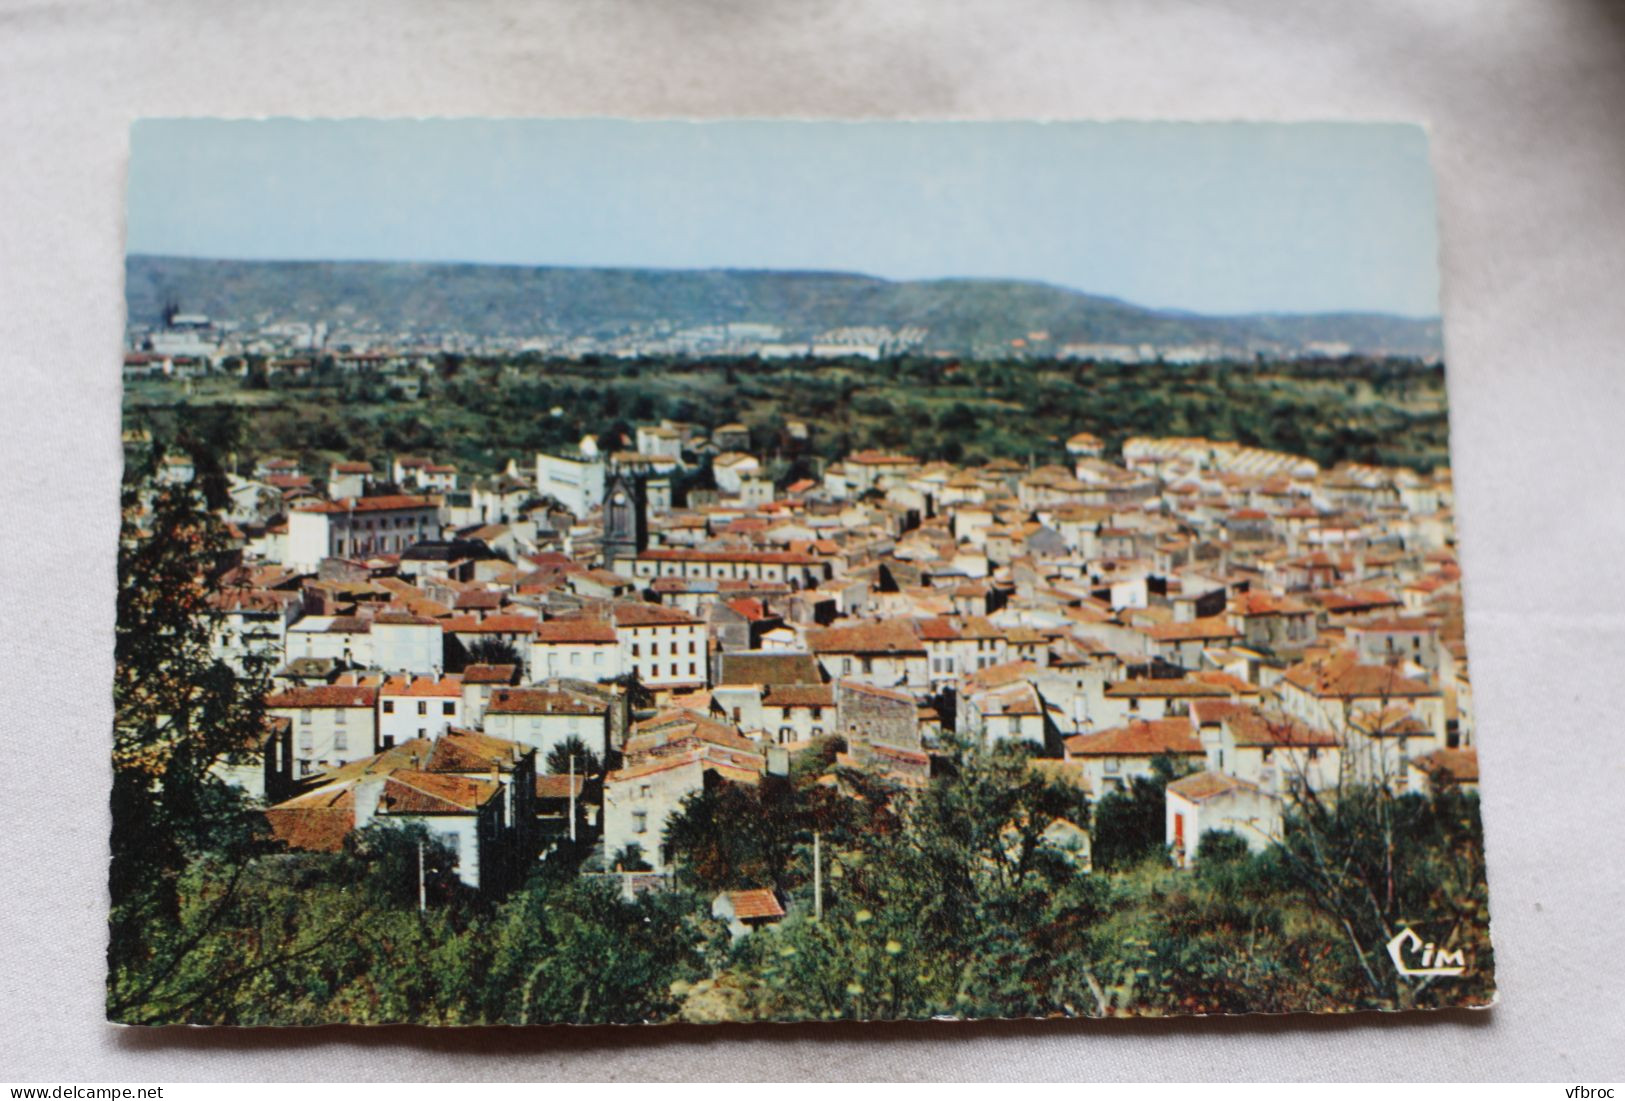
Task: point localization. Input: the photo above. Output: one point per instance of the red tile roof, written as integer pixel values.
(489, 674)
(651, 615)
(799, 695)
(1196, 630)
(754, 905)
(1342, 677)
(410, 792)
(450, 685)
(575, 630)
(541, 701)
(888, 637)
(502, 624)
(1155, 688)
(1251, 729)
(1457, 765)
(1140, 739)
(390, 503)
(558, 787)
(460, 750)
(1205, 785)
(322, 695)
(316, 822)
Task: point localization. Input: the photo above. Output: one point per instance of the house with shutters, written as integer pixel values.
(544, 718)
(575, 646)
(669, 758)
(1155, 698)
(357, 527)
(1110, 760)
(333, 724)
(471, 792)
(886, 653)
(667, 648)
(479, 682)
(1215, 802)
(413, 706)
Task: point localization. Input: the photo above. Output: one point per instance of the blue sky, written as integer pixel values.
(1214, 218)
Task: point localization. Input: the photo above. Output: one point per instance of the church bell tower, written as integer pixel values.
(626, 518)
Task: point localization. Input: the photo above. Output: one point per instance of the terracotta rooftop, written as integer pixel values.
(323, 695)
(889, 637)
(1457, 765)
(1168, 688)
(1140, 739)
(753, 905)
(1205, 785)
(411, 792)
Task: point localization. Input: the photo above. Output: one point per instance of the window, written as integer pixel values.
(640, 821)
(674, 668)
(1112, 765)
(691, 649)
(634, 649)
(643, 792)
(341, 740)
(846, 665)
(341, 713)
(304, 718)
(692, 671)
(575, 658)
(448, 708)
(423, 707)
(597, 658)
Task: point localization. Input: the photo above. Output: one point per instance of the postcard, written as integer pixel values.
(596, 571)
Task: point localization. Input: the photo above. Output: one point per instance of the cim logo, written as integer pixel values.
(1433, 960)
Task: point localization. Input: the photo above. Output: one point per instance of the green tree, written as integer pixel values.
(1130, 824)
(178, 712)
(586, 762)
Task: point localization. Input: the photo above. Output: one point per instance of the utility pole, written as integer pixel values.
(818, 878)
(572, 757)
(423, 893)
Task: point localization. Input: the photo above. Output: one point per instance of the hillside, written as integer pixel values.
(958, 316)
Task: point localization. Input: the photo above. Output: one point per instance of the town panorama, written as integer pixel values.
(693, 718)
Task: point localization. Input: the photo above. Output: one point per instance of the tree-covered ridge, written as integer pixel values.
(480, 413)
(959, 316)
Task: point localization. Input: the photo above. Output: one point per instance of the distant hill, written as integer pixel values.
(486, 301)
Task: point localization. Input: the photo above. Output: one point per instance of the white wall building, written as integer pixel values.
(418, 707)
(356, 527)
(576, 483)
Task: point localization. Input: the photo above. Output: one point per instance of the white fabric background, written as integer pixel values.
(1526, 102)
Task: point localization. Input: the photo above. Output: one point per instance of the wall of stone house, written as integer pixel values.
(877, 718)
